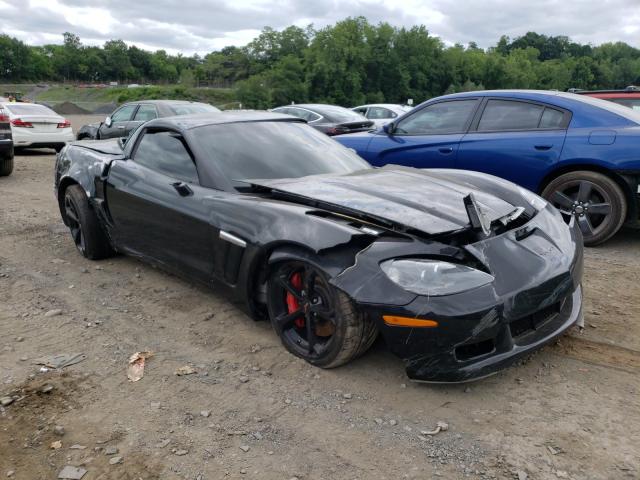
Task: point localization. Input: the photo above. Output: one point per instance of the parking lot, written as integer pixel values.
(251, 410)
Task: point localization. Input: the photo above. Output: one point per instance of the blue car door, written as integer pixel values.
(426, 138)
(514, 139)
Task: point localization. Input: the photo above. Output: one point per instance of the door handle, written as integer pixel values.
(543, 147)
(445, 150)
(120, 127)
(182, 188)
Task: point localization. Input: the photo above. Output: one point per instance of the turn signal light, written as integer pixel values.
(65, 124)
(396, 321)
(17, 122)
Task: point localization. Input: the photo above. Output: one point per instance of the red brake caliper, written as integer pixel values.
(292, 302)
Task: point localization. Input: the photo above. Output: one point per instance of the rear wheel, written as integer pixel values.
(596, 201)
(314, 320)
(6, 166)
(90, 239)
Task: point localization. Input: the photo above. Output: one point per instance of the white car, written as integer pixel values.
(37, 126)
(381, 113)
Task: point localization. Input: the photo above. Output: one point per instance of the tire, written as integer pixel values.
(6, 166)
(90, 239)
(595, 200)
(339, 332)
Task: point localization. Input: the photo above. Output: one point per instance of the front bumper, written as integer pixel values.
(536, 296)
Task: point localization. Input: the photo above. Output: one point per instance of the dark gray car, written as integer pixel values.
(129, 116)
(329, 119)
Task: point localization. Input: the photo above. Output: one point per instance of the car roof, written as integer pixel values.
(163, 102)
(188, 122)
(383, 105)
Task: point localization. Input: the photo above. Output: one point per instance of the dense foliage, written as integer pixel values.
(348, 63)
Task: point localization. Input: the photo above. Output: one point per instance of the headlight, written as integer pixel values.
(536, 201)
(434, 277)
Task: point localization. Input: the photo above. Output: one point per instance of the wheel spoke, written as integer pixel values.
(562, 200)
(584, 191)
(71, 214)
(320, 309)
(284, 320)
(599, 209)
(312, 339)
(309, 281)
(585, 225)
(286, 284)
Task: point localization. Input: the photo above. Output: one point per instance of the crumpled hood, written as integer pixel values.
(417, 199)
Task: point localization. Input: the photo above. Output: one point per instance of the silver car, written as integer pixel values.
(381, 113)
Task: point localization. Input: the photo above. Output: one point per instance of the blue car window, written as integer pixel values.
(438, 118)
(552, 118)
(510, 115)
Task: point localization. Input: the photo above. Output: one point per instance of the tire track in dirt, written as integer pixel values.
(597, 353)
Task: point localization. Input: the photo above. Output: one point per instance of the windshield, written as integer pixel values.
(338, 114)
(189, 108)
(29, 109)
(268, 150)
(624, 112)
(633, 103)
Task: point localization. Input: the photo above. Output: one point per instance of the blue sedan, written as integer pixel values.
(581, 154)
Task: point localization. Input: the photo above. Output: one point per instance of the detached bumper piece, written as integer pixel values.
(498, 347)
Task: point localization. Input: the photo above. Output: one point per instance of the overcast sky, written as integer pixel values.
(191, 26)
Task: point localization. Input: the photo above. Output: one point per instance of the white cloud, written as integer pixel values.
(190, 26)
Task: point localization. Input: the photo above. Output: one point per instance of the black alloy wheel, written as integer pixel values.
(73, 222)
(314, 320)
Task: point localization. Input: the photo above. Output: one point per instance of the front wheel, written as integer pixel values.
(596, 201)
(314, 320)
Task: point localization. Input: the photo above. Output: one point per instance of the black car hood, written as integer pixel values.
(413, 198)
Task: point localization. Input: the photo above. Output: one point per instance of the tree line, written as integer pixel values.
(349, 63)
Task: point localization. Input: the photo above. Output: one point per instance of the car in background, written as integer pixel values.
(629, 97)
(37, 126)
(580, 153)
(130, 116)
(381, 113)
(329, 119)
(6, 145)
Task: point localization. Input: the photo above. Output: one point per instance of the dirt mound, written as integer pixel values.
(69, 108)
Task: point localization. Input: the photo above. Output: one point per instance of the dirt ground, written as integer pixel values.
(251, 410)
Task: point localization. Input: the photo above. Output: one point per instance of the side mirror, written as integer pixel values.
(122, 141)
(389, 128)
(108, 122)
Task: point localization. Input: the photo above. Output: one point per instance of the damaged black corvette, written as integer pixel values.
(462, 273)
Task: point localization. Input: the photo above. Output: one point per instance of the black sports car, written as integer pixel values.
(6, 145)
(461, 272)
(130, 116)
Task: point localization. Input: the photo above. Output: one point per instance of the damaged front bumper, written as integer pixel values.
(536, 296)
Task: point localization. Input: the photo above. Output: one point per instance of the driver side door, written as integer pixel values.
(157, 205)
(119, 122)
(428, 138)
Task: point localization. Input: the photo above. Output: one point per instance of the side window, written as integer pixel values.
(124, 114)
(361, 110)
(166, 152)
(379, 113)
(552, 118)
(145, 113)
(510, 115)
(439, 118)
